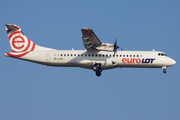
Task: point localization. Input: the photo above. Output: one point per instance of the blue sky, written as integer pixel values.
(32, 91)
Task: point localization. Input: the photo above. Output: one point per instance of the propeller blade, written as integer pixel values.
(115, 47)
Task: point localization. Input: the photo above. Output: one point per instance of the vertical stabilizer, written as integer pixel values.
(20, 44)
(18, 41)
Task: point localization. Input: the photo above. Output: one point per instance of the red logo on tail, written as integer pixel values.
(20, 44)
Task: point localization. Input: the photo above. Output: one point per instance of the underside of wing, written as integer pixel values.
(89, 38)
(91, 41)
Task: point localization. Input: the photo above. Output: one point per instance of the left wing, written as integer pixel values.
(89, 38)
(91, 42)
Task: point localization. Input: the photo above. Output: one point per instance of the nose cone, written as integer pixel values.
(168, 62)
(173, 62)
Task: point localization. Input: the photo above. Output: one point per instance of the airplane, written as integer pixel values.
(98, 56)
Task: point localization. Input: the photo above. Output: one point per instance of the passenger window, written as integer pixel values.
(85, 55)
(81, 55)
(123, 55)
(61, 54)
(74, 54)
(133, 55)
(54, 54)
(109, 55)
(71, 54)
(92, 55)
(96, 55)
(64, 54)
(99, 55)
(67, 54)
(137, 55)
(120, 55)
(89, 55)
(103, 55)
(78, 55)
(127, 55)
(116, 55)
(130, 55)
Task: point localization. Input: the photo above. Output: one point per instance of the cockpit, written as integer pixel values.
(162, 54)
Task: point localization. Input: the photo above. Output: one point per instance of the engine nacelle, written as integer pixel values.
(106, 47)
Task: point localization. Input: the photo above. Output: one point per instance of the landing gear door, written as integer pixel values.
(101, 62)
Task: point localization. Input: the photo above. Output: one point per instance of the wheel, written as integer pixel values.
(98, 73)
(164, 71)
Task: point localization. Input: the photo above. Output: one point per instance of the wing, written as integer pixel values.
(90, 40)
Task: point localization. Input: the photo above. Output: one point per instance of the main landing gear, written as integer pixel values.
(97, 69)
(164, 69)
(98, 73)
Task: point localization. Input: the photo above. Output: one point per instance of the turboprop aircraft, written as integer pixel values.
(98, 56)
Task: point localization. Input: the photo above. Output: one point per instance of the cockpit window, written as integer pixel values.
(162, 54)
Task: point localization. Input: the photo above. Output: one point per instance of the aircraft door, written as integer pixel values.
(48, 57)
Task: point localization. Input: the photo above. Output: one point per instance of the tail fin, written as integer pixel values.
(20, 44)
(18, 41)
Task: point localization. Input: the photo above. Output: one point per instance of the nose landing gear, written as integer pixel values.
(97, 68)
(164, 69)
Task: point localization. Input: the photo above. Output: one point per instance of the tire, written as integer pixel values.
(98, 73)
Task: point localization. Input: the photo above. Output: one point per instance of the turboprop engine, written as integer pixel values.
(107, 47)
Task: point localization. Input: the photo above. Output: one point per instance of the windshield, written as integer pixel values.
(162, 54)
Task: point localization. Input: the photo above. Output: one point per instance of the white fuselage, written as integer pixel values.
(97, 56)
(85, 59)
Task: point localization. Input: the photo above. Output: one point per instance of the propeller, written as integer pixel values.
(115, 47)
